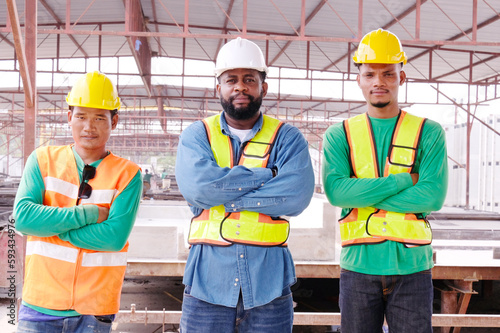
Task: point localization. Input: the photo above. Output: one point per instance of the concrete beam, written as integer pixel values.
(310, 318)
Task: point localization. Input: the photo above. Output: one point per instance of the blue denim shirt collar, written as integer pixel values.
(225, 127)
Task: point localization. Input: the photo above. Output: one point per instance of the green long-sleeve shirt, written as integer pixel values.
(393, 193)
(77, 225)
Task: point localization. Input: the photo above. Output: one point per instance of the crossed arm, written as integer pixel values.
(204, 184)
(394, 192)
(83, 225)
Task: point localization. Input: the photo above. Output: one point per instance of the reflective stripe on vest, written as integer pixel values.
(369, 225)
(60, 276)
(218, 227)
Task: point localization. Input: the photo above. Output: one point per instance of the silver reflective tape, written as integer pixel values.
(104, 259)
(53, 251)
(100, 197)
(61, 187)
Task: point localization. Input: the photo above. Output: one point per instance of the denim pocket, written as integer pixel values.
(105, 319)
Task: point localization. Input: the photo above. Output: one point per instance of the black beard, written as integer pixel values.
(242, 113)
(380, 105)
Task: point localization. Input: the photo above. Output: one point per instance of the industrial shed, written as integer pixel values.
(161, 56)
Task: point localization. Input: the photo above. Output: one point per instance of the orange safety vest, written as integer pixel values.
(60, 276)
(215, 226)
(369, 225)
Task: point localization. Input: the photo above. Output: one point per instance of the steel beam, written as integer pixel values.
(60, 23)
(300, 29)
(139, 45)
(21, 51)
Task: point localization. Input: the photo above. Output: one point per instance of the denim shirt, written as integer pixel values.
(217, 274)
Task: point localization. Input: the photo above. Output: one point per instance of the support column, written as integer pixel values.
(30, 111)
(455, 298)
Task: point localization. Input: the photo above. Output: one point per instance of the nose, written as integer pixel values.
(378, 80)
(240, 86)
(88, 124)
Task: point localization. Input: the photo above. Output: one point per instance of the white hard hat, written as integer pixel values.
(239, 53)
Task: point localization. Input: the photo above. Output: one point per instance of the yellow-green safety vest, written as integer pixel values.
(215, 226)
(369, 225)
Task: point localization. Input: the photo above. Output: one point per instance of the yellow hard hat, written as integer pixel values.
(380, 47)
(94, 90)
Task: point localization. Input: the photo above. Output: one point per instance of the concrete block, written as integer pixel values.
(153, 242)
(313, 233)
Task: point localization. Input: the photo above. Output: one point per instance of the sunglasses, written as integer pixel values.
(85, 189)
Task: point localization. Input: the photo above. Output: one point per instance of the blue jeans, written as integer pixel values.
(405, 300)
(199, 316)
(78, 324)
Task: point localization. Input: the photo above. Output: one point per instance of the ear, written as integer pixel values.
(70, 116)
(264, 89)
(357, 79)
(402, 77)
(218, 87)
(114, 121)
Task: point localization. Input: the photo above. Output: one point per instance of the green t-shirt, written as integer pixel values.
(147, 177)
(78, 224)
(392, 193)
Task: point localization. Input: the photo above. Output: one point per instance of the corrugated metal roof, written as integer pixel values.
(442, 52)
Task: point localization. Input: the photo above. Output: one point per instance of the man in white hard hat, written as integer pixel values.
(387, 169)
(240, 171)
(77, 204)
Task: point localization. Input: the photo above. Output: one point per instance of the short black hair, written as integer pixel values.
(113, 112)
(263, 76)
(358, 64)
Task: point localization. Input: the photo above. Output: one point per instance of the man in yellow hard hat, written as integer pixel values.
(240, 171)
(387, 170)
(77, 204)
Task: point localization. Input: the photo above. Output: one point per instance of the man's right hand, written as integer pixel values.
(414, 177)
(103, 214)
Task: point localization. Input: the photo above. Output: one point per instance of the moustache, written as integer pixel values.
(250, 97)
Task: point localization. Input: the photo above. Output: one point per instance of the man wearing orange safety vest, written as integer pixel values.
(241, 172)
(387, 170)
(77, 204)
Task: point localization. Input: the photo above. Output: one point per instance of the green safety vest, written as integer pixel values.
(215, 226)
(370, 225)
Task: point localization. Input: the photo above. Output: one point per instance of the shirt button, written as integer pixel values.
(234, 209)
(235, 284)
(232, 205)
(236, 279)
(384, 229)
(237, 232)
(262, 184)
(384, 223)
(239, 189)
(258, 203)
(241, 256)
(238, 225)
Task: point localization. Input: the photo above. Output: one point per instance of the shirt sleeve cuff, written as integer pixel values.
(91, 213)
(403, 181)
